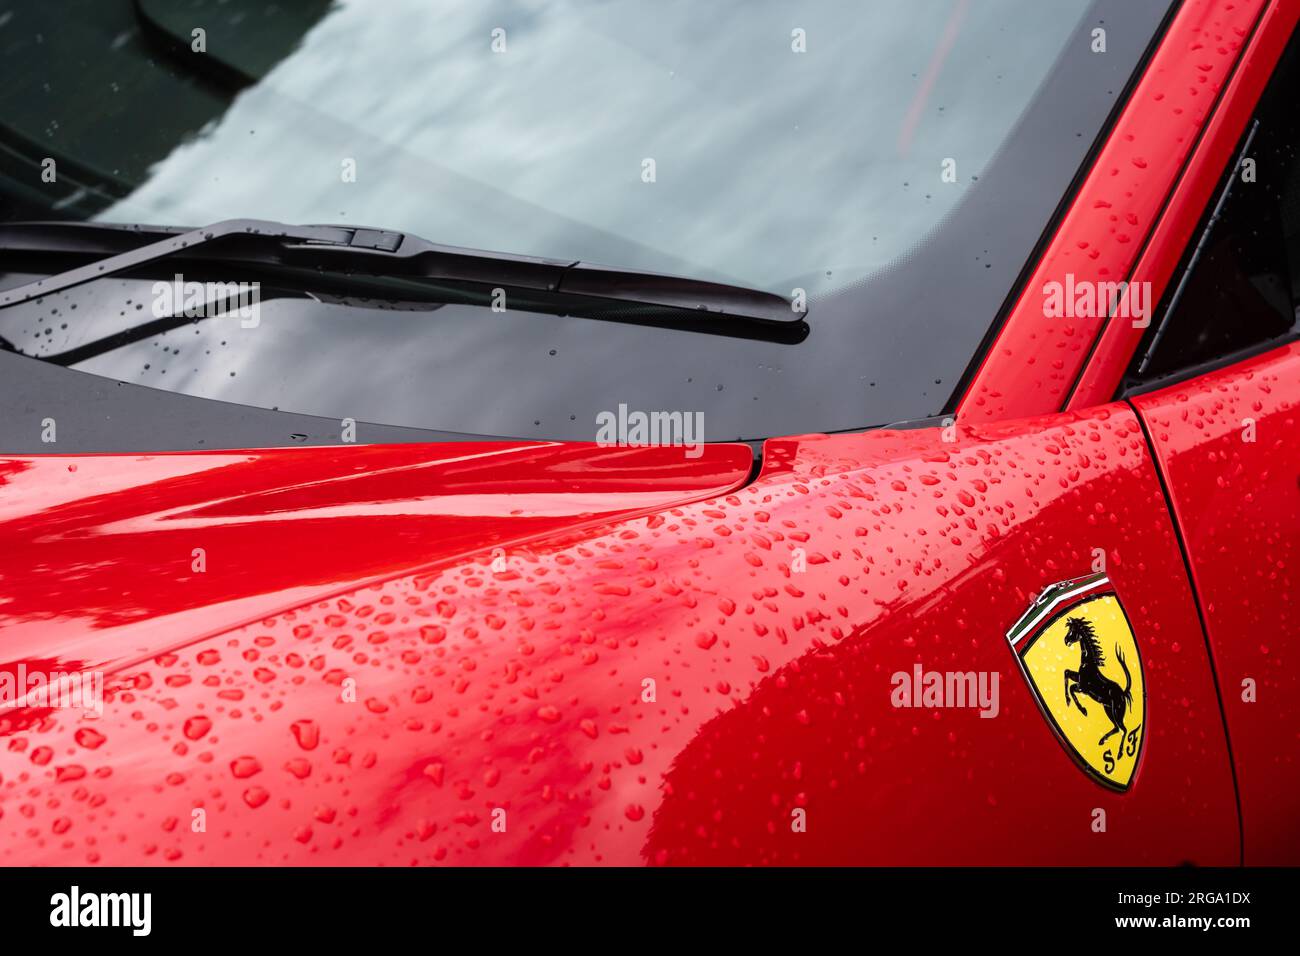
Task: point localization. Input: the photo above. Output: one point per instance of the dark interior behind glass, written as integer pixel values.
(1238, 286)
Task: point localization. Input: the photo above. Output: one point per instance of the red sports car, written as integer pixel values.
(812, 433)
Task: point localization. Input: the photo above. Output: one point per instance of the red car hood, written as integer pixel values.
(107, 560)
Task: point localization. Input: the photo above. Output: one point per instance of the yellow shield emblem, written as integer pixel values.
(1081, 660)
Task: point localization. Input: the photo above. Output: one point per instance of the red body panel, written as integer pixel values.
(97, 557)
(1034, 362)
(523, 690)
(1227, 445)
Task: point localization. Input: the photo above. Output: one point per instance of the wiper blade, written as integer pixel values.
(380, 252)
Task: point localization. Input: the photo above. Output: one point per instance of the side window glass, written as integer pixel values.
(1238, 286)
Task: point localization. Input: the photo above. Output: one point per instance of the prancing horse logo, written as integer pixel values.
(1076, 637)
(1089, 679)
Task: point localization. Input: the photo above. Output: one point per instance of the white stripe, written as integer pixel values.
(1063, 596)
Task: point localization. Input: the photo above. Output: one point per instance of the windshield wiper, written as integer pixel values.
(691, 304)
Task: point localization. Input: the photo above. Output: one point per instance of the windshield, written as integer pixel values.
(892, 164)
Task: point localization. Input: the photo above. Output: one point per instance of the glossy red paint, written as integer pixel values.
(1226, 443)
(392, 645)
(1213, 153)
(391, 724)
(1035, 361)
(97, 561)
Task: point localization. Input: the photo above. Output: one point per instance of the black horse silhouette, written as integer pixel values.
(1089, 679)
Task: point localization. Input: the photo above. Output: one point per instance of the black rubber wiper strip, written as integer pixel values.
(386, 253)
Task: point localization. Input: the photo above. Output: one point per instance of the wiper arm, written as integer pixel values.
(379, 252)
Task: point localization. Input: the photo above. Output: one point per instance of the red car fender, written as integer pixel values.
(679, 687)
